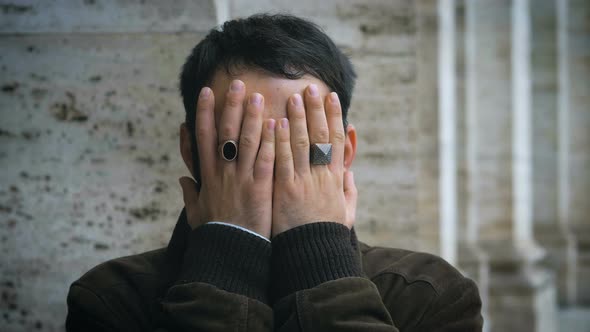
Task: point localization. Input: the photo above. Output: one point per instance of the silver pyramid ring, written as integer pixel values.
(228, 150)
(320, 154)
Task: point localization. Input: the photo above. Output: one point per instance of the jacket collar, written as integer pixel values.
(179, 239)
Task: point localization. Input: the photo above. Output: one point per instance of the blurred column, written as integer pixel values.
(575, 135)
(551, 231)
(428, 153)
(499, 158)
(472, 259)
(447, 113)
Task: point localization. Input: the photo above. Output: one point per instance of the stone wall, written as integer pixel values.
(90, 112)
(90, 115)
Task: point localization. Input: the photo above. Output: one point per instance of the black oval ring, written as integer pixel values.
(229, 150)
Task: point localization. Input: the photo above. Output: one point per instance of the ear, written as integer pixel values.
(185, 148)
(349, 146)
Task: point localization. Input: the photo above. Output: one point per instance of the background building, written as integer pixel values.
(474, 141)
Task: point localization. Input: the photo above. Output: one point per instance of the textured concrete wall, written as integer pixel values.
(89, 114)
(89, 117)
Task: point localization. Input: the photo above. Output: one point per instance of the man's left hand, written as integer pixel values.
(305, 193)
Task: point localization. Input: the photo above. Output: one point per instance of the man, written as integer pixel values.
(266, 239)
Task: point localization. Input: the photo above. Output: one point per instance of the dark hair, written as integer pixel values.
(282, 45)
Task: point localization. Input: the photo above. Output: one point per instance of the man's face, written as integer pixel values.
(276, 92)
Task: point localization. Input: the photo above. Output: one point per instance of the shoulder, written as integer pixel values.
(419, 289)
(122, 280)
(128, 269)
(114, 292)
(411, 266)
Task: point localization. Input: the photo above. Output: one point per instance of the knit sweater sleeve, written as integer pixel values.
(318, 286)
(318, 283)
(223, 284)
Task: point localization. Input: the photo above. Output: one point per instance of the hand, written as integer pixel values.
(351, 195)
(238, 192)
(305, 193)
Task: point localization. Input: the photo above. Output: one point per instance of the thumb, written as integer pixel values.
(351, 195)
(190, 196)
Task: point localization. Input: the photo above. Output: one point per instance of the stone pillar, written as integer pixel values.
(472, 259)
(498, 148)
(551, 231)
(447, 125)
(436, 108)
(575, 135)
(428, 153)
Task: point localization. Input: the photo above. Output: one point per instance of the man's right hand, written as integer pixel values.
(238, 192)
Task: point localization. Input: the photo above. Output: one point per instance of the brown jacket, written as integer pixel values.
(314, 278)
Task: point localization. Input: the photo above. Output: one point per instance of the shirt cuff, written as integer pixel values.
(238, 227)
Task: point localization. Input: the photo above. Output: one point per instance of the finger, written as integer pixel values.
(336, 130)
(316, 116)
(298, 133)
(351, 197)
(250, 133)
(231, 116)
(263, 169)
(284, 157)
(190, 196)
(206, 133)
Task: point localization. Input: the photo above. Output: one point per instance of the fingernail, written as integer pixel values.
(334, 98)
(205, 92)
(296, 100)
(313, 90)
(271, 124)
(284, 123)
(256, 99)
(236, 85)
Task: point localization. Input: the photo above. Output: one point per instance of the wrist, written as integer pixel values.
(255, 221)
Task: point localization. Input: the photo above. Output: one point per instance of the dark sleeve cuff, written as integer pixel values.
(228, 258)
(309, 255)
